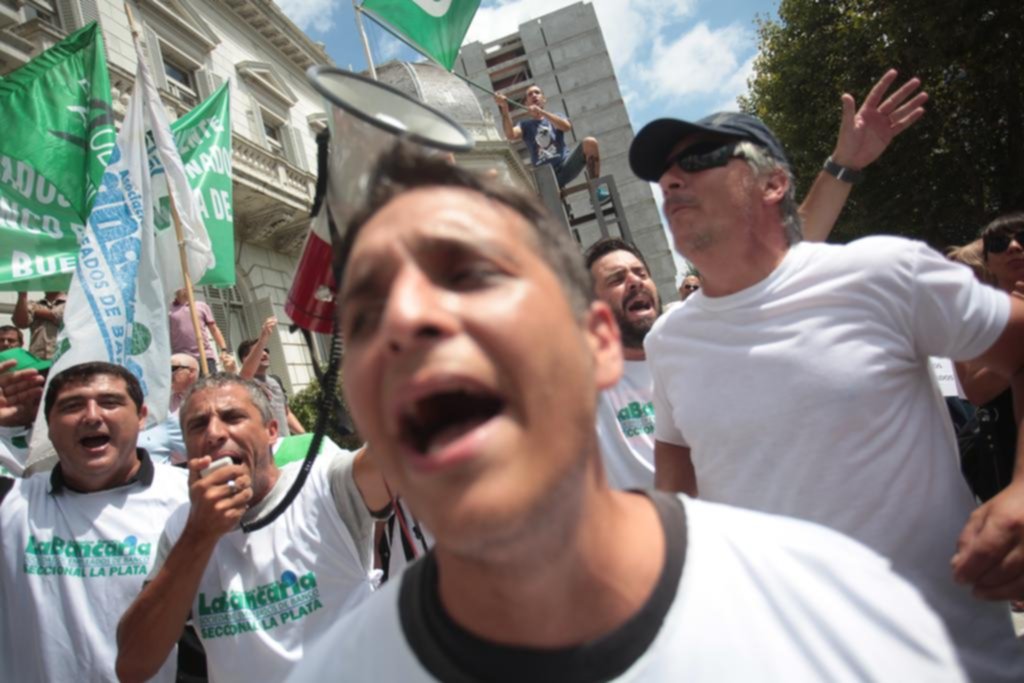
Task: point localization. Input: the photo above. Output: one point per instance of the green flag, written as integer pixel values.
(203, 137)
(58, 135)
(435, 27)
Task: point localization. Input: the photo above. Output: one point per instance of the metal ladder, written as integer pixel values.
(556, 200)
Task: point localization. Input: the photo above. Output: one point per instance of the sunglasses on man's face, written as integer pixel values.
(175, 368)
(704, 155)
(691, 288)
(1000, 242)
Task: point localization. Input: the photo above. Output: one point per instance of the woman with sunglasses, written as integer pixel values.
(1002, 258)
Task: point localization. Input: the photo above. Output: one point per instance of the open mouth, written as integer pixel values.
(640, 303)
(434, 421)
(95, 441)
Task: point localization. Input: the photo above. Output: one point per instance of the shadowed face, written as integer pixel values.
(465, 365)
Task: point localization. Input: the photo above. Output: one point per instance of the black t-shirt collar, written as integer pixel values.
(452, 654)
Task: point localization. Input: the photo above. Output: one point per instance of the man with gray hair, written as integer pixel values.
(255, 598)
(824, 407)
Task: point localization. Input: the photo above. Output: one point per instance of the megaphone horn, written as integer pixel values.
(365, 118)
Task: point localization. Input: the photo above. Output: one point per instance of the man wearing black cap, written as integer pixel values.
(824, 407)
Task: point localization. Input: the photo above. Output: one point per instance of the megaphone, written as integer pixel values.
(365, 118)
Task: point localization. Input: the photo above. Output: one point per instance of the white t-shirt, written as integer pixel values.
(743, 597)
(266, 594)
(818, 402)
(72, 563)
(625, 428)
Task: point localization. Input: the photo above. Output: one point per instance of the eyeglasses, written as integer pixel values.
(704, 155)
(691, 288)
(999, 242)
(175, 368)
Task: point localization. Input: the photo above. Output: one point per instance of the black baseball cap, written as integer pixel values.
(650, 148)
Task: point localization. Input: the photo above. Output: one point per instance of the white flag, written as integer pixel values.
(117, 305)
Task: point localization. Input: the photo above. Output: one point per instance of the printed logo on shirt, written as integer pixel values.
(87, 558)
(636, 419)
(231, 613)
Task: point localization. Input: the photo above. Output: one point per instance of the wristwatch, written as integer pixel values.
(842, 173)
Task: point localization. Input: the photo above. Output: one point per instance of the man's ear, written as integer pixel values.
(143, 412)
(605, 344)
(272, 430)
(776, 185)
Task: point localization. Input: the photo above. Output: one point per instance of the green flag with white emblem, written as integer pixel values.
(435, 27)
(57, 138)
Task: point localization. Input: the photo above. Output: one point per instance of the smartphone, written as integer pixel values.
(215, 465)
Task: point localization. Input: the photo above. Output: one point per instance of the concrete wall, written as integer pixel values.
(568, 59)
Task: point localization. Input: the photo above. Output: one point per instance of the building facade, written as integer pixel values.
(564, 53)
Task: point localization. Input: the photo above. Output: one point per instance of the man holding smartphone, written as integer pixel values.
(254, 598)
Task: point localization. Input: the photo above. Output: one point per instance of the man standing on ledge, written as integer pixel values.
(544, 135)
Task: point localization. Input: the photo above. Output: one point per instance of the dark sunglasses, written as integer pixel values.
(175, 368)
(704, 155)
(691, 288)
(1000, 242)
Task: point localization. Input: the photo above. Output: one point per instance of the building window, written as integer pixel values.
(181, 81)
(43, 10)
(274, 134)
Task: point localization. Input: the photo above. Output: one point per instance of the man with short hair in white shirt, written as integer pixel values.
(823, 404)
(256, 597)
(474, 355)
(76, 543)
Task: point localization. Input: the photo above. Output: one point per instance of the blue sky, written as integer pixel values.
(684, 57)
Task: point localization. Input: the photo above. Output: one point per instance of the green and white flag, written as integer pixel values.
(58, 135)
(435, 27)
(38, 226)
(203, 137)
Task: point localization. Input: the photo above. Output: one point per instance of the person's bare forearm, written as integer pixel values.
(21, 316)
(294, 426)
(558, 122)
(673, 469)
(154, 622)
(980, 384)
(218, 338)
(821, 207)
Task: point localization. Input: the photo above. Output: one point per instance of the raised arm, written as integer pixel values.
(153, 623)
(19, 395)
(251, 363)
(864, 135)
(22, 316)
(512, 133)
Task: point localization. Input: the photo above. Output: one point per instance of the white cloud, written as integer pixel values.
(626, 26)
(309, 15)
(701, 62)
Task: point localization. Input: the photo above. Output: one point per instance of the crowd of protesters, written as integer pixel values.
(760, 481)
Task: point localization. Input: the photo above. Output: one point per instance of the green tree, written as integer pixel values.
(306, 405)
(956, 169)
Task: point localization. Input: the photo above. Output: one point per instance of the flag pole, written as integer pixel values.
(362, 34)
(178, 232)
(420, 50)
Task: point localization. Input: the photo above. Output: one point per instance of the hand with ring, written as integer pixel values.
(219, 499)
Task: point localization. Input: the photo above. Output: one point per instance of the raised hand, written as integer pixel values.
(865, 133)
